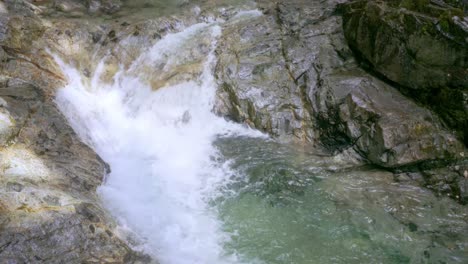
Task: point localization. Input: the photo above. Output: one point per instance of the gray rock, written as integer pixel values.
(420, 46)
(389, 132)
(21, 7)
(69, 6)
(110, 6)
(290, 73)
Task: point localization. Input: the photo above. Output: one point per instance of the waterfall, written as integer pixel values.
(159, 145)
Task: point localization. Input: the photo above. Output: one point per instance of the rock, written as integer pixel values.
(48, 194)
(449, 181)
(6, 126)
(256, 87)
(422, 48)
(3, 9)
(49, 209)
(19, 32)
(290, 73)
(22, 7)
(264, 64)
(390, 133)
(110, 6)
(290, 76)
(425, 54)
(93, 6)
(69, 6)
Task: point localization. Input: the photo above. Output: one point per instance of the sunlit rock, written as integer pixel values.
(3, 9)
(21, 163)
(6, 125)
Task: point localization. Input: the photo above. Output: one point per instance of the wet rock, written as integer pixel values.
(69, 6)
(48, 177)
(19, 32)
(290, 73)
(3, 9)
(93, 7)
(6, 127)
(390, 133)
(264, 64)
(14, 186)
(110, 6)
(425, 55)
(48, 190)
(293, 75)
(421, 47)
(21, 7)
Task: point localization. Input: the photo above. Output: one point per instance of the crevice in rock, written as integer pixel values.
(23, 56)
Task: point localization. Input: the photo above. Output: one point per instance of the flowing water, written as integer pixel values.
(196, 188)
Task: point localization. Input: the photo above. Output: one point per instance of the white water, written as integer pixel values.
(159, 147)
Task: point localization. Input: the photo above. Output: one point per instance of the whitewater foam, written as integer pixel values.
(164, 166)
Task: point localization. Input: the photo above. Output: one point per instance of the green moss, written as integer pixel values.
(446, 18)
(421, 130)
(415, 5)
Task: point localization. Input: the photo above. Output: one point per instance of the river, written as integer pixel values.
(196, 188)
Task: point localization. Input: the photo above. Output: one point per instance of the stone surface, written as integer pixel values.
(422, 47)
(49, 210)
(79, 8)
(6, 124)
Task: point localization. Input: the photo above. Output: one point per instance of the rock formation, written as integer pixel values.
(421, 48)
(49, 210)
(396, 96)
(291, 73)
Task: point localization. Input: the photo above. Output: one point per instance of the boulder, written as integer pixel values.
(419, 45)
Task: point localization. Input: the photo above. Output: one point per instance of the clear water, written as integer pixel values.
(288, 206)
(196, 188)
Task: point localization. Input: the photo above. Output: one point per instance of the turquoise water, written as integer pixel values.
(284, 206)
